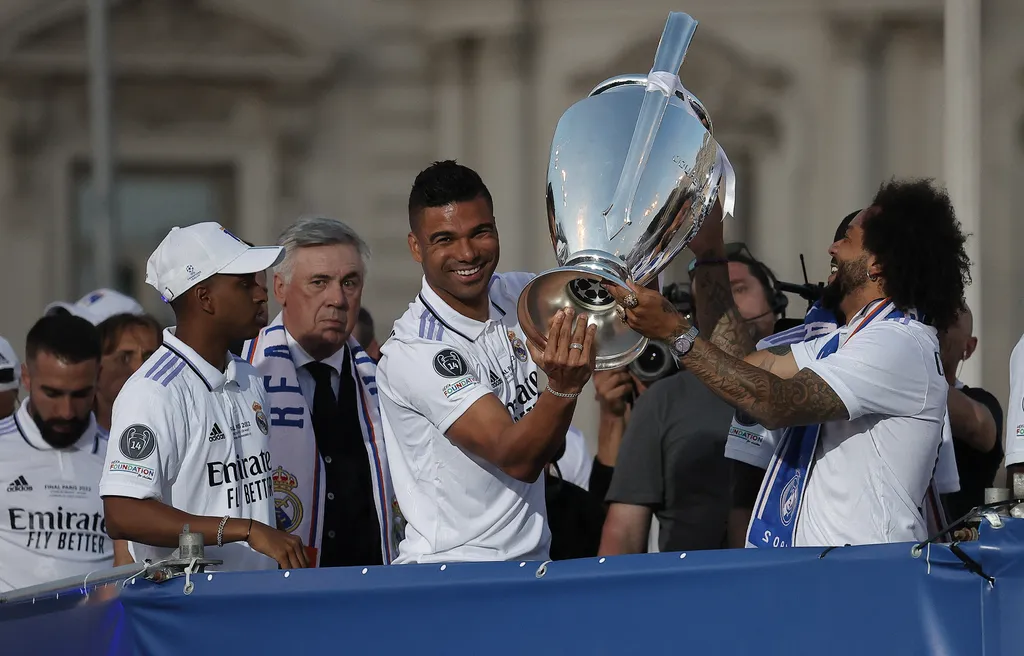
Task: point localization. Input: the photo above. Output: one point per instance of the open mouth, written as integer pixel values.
(835, 268)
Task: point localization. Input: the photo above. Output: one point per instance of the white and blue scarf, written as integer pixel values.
(777, 510)
(298, 475)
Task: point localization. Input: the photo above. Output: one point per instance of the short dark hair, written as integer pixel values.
(920, 248)
(69, 338)
(445, 182)
(364, 328)
(844, 225)
(113, 327)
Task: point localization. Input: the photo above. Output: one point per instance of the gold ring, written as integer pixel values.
(630, 301)
(621, 311)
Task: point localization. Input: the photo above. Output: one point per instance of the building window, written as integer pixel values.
(148, 202)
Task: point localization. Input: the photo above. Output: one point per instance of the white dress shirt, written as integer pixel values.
(306, 383)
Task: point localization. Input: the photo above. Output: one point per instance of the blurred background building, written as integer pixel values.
(252, 112)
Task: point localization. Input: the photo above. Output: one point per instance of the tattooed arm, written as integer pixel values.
(715, 307)
(775, 402)
(778, 360)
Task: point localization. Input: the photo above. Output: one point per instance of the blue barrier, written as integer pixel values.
(853, 600)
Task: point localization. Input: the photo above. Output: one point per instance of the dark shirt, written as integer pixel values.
(672, 460)
(976, 469)
(575, 518)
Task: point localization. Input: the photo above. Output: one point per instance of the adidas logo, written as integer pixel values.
(216, 433)
(19, 485)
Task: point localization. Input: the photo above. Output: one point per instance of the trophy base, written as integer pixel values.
(579, 287)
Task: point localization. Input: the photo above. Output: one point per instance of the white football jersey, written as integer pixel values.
(435, 365)
(52, 525)
(1015, 408)
(871, 472)
(196, 439)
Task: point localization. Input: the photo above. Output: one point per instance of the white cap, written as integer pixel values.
(98, 306)
(8, 361)
(190, 255)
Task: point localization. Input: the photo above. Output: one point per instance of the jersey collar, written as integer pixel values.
(209, 374)
(454, 321)
(89, 440)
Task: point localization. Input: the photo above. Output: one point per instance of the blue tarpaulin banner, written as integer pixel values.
(852, 600)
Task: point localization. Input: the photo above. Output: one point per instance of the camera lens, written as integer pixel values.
(654, 363)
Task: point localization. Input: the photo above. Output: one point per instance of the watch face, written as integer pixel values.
(682, 344)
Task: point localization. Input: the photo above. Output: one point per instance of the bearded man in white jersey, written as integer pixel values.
(51, 519)
(467, 427)
(866, 403)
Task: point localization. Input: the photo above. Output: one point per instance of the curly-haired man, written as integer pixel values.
(864, 405)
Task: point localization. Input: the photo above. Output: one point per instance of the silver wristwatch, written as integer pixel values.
(681, 344)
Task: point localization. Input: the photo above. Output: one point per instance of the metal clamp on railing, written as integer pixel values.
(190, 560)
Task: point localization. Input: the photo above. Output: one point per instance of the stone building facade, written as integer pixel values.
(252, 112)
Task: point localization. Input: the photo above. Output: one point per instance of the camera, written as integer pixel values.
(656, 361)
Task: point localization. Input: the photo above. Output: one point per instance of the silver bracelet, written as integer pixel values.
(561, 395)
(220, 531)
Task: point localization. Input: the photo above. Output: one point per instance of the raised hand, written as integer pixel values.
(648, 312)
(569, 357)
(613, 390)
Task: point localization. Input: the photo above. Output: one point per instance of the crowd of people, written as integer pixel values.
(300, 441)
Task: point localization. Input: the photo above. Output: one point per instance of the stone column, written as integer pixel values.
(859, 113)
(963, 145)
(500, 145)
(450, 107)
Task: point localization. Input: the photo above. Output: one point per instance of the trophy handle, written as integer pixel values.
(675, 40)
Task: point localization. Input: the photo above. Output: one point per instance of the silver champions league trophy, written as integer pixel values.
(634, 171)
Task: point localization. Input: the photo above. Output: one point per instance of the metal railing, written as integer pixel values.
(188, 560)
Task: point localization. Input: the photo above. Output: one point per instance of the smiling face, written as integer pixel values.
(457, 245)
(850, 260)
(321, 296)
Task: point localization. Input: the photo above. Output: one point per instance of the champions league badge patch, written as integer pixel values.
(261, 419)
(287, 506)
(137, 442)
(518, 347)
(449, 364)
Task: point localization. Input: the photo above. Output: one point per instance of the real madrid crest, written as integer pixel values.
(518, 347)
(287, 505)
(261, 419)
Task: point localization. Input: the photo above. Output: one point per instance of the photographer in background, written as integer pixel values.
(671, 462)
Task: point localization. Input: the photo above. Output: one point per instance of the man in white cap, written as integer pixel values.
(98, 306)
(10, 370)
(189, 437)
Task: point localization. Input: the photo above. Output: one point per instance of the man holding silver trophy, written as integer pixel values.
(468, 427)
(865, 403)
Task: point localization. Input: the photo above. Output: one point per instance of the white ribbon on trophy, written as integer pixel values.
(670, 85)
